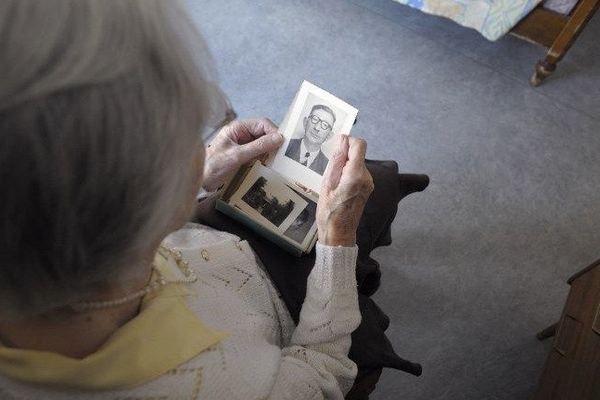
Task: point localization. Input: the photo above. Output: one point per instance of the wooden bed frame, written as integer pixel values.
(556, 32)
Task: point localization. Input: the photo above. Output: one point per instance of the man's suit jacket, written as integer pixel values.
(319, 163)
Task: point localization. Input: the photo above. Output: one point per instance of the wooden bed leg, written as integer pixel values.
(543, 69)
(577, 21)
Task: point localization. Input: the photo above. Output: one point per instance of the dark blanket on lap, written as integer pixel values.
(371, 350)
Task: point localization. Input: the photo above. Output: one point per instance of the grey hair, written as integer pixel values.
(101, 108)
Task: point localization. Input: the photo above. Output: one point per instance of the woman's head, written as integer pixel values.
(101, 109)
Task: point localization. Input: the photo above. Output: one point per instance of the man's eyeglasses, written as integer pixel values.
(323, 124)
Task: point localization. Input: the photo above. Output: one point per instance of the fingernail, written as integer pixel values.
(277, 138)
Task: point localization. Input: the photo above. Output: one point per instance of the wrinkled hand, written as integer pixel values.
(237, 143)
(346, 187)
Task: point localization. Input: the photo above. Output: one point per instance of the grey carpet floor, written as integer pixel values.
(479, 260)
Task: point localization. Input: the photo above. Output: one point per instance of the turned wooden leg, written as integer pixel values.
(543, 69)
(577, 21)
(548, 332)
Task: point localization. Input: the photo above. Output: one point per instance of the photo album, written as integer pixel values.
(277, 197)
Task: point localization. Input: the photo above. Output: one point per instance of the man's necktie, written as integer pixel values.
(306, 161)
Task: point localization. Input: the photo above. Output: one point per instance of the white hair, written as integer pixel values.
(101, 108)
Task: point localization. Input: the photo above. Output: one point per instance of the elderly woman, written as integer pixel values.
(104, 293)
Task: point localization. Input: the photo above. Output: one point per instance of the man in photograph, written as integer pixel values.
(318, 127)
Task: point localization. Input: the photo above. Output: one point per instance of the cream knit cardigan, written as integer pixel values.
(265, 356)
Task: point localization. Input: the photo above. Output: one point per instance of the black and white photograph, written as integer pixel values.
(264, 196)
(311, 125)
(266, 203)
(304, 225)
(313, 131)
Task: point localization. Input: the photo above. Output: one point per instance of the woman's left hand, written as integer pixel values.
(234, 145)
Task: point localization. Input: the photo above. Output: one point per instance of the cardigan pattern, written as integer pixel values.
(265, 355)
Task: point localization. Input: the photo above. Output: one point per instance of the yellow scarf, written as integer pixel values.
(165, 334)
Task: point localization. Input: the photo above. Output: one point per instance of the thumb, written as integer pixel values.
(333, 172)
(264, 144)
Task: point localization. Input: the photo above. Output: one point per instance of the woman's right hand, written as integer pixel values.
(346, 187)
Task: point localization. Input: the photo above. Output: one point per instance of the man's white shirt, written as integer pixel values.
(311, 157)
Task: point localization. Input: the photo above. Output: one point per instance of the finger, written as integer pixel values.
(258, 147)
(252, 129)
(224, 135)
(370, 183)
(333, 172)
(265, 125)
(357, 153)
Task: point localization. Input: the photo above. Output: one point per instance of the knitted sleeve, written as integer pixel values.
(315, 365)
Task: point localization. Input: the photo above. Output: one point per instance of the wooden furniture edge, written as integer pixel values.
(541, 26)
(556, 32)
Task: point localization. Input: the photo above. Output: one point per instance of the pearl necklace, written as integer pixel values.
(153, 286)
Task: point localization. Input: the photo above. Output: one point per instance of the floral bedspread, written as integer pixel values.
(492, 18)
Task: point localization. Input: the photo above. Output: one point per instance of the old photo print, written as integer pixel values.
(265, 197)
(311, 144)
(310, 128)
(304, 226)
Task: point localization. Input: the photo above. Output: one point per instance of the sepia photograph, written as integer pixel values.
(312, 123)
(265, 197)
(304, 225)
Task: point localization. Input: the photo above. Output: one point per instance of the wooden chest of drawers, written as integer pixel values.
(572, 370)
